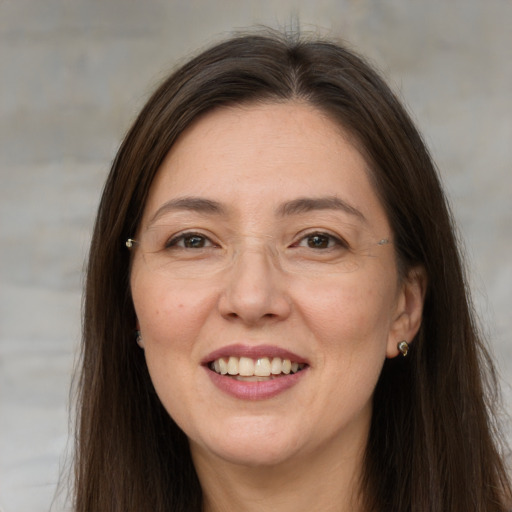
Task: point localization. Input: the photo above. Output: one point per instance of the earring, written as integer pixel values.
(403, 347)
(138, 339)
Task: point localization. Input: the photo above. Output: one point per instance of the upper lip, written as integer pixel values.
(254, 352)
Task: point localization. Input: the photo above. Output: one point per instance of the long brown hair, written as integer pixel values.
(433, 442)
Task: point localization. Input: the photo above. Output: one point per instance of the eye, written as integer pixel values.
(190, 241)
(321, 241)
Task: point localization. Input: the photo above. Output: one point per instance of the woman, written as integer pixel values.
(276, 317)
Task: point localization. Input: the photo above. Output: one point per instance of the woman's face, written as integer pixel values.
(258, 255)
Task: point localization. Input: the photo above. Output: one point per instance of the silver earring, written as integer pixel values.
(138, 339)
(403, 347)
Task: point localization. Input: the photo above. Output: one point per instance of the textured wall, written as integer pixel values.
(73, 73)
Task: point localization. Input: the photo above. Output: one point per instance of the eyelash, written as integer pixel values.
(182, 237)
(337, 241)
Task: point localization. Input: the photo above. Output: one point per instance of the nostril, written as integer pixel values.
(252, 297)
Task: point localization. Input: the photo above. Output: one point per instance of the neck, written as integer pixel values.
(326, 480)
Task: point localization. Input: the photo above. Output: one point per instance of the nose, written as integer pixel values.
(254, 290)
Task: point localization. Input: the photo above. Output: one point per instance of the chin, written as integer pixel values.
(256, 456)
(253, 442)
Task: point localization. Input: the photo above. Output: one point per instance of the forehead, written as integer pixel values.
(263, 155)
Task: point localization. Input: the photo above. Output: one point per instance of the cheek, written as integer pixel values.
(348, 320)
(350, 308)
(171, 317)
(169, 314)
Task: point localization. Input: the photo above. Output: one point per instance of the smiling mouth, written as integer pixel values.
(248, 369)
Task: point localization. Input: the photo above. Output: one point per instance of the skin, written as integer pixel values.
(301, 449)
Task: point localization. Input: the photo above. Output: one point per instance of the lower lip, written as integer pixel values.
(255, 390)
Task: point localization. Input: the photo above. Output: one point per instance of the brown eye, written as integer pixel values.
(321, 240)
(318, 241)
(189, 241)
(194, 241)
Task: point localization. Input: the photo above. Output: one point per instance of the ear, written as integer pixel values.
(409, 310)
(138, 337)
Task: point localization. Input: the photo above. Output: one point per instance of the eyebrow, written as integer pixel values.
(195, 204)
(294, 207)
(308, 204)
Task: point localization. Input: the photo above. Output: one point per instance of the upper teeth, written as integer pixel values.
(261, 367)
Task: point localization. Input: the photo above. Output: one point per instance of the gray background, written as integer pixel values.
(73, 74)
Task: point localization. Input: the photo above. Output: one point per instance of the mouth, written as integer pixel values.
(255, 372)
(261, 369)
